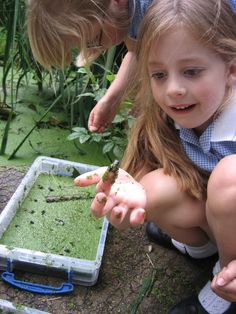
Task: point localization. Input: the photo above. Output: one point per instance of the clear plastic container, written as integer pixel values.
(79, 271)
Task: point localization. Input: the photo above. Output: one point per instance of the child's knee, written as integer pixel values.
(221, 192)
(160, 188)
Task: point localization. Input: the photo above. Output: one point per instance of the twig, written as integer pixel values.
(150, 261)
(66, 198)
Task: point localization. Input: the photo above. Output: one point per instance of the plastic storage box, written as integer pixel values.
(78, 271)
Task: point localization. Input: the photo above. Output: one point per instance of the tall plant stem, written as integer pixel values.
(108, 66)
(34, 127)
(8, 54)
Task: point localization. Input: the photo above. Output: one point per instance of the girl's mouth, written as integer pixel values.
(183, 108)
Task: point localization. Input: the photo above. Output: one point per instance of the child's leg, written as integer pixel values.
(221, 216)
(221, 208)
(178, 214)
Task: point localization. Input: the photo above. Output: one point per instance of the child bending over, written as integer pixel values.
(92, 26)
(182, 148)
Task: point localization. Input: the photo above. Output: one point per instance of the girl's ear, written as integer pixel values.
(231, 77)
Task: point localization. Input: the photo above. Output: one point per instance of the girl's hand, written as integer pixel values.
(224, 283)
(122, 201)
(102, 115)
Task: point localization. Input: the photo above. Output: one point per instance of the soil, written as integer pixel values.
(136, 276)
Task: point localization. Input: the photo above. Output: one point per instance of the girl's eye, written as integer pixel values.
(159, 75)
(193, 72)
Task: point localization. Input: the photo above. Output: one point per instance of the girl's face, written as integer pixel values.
(109, 35)
(106, 36)
(188, 80)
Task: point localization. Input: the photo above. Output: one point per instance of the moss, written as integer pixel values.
(65, 228)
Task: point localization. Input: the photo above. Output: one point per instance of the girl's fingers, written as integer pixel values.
(118, 214)
(91, 177)
(224, 287)
(102, 204)
(97, 206)
(137, 216)
(105, 185)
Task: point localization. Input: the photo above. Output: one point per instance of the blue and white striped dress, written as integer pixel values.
(233, 5)
(216, 142)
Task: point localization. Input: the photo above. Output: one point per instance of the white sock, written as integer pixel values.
(211, 302)
(204, 251)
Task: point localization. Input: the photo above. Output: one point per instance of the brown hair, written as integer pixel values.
(54, 27)
(153, 140)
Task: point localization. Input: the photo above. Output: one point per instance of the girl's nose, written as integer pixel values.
(175, 88)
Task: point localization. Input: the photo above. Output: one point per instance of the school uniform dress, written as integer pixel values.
(216, 142)
(233, 5)
(137, 9)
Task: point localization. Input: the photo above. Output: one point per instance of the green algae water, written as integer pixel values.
(55, 218)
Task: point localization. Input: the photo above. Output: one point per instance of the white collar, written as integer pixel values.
(224, 128)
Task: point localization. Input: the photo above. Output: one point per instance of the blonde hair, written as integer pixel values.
(53, 27)
(154, 141)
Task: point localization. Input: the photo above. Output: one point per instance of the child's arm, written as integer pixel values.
(224, 283)
(105, 110)
(123, 201)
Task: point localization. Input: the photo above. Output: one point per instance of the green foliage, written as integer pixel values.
(113, 140)
(2, 42)
(73, 91)
(17, 59)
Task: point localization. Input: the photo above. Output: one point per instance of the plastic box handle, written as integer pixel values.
(9, 277)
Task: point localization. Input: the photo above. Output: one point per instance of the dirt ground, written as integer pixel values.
(136, 276)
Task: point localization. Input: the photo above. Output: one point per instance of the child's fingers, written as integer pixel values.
(105, 185)
(137, 216)
(226, 291)
(102, 204)
(98, 204)
(118, 214)
(226, 275)
(91, 177)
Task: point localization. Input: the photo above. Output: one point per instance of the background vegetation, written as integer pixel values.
(72, 92)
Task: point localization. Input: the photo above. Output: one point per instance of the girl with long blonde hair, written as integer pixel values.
(182, 148)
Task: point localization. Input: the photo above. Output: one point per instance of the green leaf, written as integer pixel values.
(118, 152)
(106, 134)
(82, 70)
(107, 147)
(80, 130)
(110, 77)
(84, 138)
(96, 137)
(73, 136)
(122, 141)
(118, 119)
(99, 94)
(86, 95)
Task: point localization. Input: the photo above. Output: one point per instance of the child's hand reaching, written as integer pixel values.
(102, 115)
(122, 201)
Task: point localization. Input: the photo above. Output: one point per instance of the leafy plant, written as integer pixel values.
(113, 140)
(75, 91)
(17, 59)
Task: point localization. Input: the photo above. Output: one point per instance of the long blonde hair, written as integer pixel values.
(54, 24)
(154, 141)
